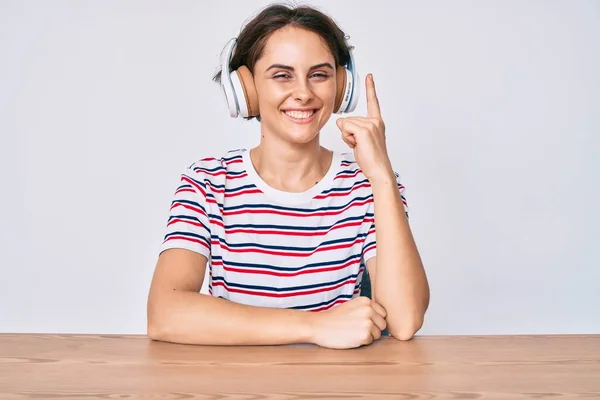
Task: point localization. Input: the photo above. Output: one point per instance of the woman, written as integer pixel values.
(289, 226)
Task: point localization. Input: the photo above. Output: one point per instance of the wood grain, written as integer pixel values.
(88, 367)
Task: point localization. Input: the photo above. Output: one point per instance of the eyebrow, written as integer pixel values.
(290, 68)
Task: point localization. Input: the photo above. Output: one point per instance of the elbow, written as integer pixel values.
(407, 326)
(155, 331)
(403, 335)
(157, 328)
(406, 330)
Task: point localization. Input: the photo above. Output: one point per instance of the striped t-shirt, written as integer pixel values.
(270, 248)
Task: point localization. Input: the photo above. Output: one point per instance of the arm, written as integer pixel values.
(178, 313)
(400, 282)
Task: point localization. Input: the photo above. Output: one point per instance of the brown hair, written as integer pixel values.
(252, 39)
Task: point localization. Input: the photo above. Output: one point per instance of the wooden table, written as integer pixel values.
(447, 367)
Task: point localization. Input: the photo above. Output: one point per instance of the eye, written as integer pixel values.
(281, 76)
(321, 75)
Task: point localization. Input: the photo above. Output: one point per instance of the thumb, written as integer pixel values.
(339, 122)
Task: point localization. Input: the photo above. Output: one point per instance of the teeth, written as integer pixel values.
(300, 114)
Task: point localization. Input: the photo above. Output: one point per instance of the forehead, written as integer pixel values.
(292, 45)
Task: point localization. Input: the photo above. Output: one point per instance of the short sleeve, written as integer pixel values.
(188, 225)
(370, 245)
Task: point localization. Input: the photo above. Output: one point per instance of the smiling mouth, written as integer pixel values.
(300, 116)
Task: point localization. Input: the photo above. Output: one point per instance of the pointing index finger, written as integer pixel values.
(372, 101)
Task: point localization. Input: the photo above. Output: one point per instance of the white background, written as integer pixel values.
(492, 113)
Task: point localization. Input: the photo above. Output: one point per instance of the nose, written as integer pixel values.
(302, 91)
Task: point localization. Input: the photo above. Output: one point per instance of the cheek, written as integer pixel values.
(326, 93)
(271, 96)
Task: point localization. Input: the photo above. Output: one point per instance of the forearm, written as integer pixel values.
(194, 318)
(401, 283)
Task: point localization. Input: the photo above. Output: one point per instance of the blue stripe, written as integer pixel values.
(282, 290)
(345, 189)
(303, 210)
(197, 181)
(299, 228)
(284, 269)
(348, 171)
(232, 157)
(206, 169)
(236, 173)
(215, 216)
(191, 218)
(323, 303)
(287, 248)
(188, 234)
(189, 202)
(341, 189)
(239, 188)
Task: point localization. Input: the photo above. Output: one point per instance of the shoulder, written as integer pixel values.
(215, 162)
(350, 168)
(209, 174)
(350, 171)
(211, 167)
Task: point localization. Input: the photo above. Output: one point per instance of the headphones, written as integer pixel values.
(242, 99)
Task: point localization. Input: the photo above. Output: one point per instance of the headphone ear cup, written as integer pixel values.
(227, 83)
(248, 91)
(340, 84)
(347, 90)
(355, 93)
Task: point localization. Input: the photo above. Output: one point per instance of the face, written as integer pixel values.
(295, 82)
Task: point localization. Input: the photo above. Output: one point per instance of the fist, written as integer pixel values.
(355, 323)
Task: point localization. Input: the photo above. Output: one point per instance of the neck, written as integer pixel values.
(290, 167)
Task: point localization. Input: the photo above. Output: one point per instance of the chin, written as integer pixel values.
(304, 134)
(301, 137)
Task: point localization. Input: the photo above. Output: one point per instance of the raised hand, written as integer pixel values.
(366, 136)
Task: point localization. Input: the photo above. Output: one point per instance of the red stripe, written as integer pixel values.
(279, 295)
(284, 274)
(348, 175)
(215, 173)
(185, 190)
(234, 161)
(324, 308)
(213, 188)
(232, 177)
(241, 192)
(185, 221)
(215, 221)
(292, 233)
(295, 214)
(369, 247)
(194, 240)
(339, 194)
(287, 253)
(194, 184)
(213, 201)
(196, 209)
